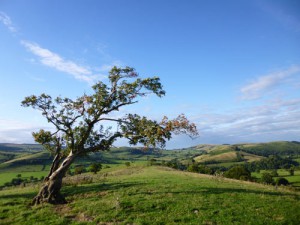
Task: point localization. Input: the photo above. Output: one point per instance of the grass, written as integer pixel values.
(7, 177)
(226, 156)
(26, 171)
(293, 180)
(156, 195)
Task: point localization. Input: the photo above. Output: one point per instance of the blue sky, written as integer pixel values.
(233, 67)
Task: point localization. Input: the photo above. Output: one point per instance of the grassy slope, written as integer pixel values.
(276, 147)
(293, 180)
(221, 154)
(156, 195)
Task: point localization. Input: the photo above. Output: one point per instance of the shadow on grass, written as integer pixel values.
(19, 195)
(218, 191)
(73, 190)
(96, 187)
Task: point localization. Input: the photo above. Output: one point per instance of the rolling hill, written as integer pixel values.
(144, 194)
(13, 155)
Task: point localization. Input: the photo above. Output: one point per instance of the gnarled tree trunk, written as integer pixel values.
(50, 190)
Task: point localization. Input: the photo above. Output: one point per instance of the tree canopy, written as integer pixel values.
(80, 124)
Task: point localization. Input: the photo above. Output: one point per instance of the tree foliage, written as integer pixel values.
(80, 124)
(267, 178)
(270, 163)
(282, 181)
(95, 167)
(238, 172)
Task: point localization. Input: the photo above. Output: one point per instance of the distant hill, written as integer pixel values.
(247, 152)
(10, 151)
(284, 148)
(12, 155)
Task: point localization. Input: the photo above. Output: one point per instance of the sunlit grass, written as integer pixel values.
(156, 195)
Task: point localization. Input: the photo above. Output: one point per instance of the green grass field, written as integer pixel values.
(155, 195)
(293, 180)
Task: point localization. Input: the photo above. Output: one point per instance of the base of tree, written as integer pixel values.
(49, 193)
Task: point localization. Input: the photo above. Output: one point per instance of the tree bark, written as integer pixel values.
(50, 190)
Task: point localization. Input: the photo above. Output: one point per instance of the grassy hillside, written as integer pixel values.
(155, 195)
(225, 154)
(8, 147)
(272, 148)
(14, 151)
(16, 155)
(31, 160)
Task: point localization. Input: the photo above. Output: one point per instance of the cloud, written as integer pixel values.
(5, 19)
(275, 120)
(53, 60)
(257, 88)
(17, 131)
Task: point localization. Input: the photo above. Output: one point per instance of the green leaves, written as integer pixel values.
(140, 130)
(150, 133)
(76, 120)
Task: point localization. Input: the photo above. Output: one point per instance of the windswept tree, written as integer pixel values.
(80, 124)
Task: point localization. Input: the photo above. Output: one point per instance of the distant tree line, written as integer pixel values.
(239, 172)
(272, 162)
(18, 180)
(283, 149)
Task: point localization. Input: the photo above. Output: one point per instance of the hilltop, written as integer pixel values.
(131, 189)
(155, 195)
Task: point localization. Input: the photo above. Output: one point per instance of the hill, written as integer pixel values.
(10, 151)
(32, 160)
(284, 148)
(155, 195)
(222, 154)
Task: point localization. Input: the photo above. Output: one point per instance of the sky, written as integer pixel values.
(232, 67)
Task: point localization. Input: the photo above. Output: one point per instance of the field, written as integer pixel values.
(155, 195)
(142, 194)
(293, 180)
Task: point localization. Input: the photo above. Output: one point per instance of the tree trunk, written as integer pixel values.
(50, 190)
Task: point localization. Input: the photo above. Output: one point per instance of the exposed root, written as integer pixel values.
(49, 193)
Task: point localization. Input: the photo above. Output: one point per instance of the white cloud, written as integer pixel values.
(5, 19)
(257, 88)
(53, 60)
(15, 131)
(275, 120)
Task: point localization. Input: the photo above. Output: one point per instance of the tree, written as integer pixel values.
(79, 169)
(95, 167)
(282, 181)
(194, 167)
(291, 170)
(267, 178)
(238, 172)
(79, 124)
(274, 173)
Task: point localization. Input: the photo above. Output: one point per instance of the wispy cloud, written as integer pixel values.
(5, 19)
(53, 60)
(274, 120)
(258, 87)
(18, 131)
